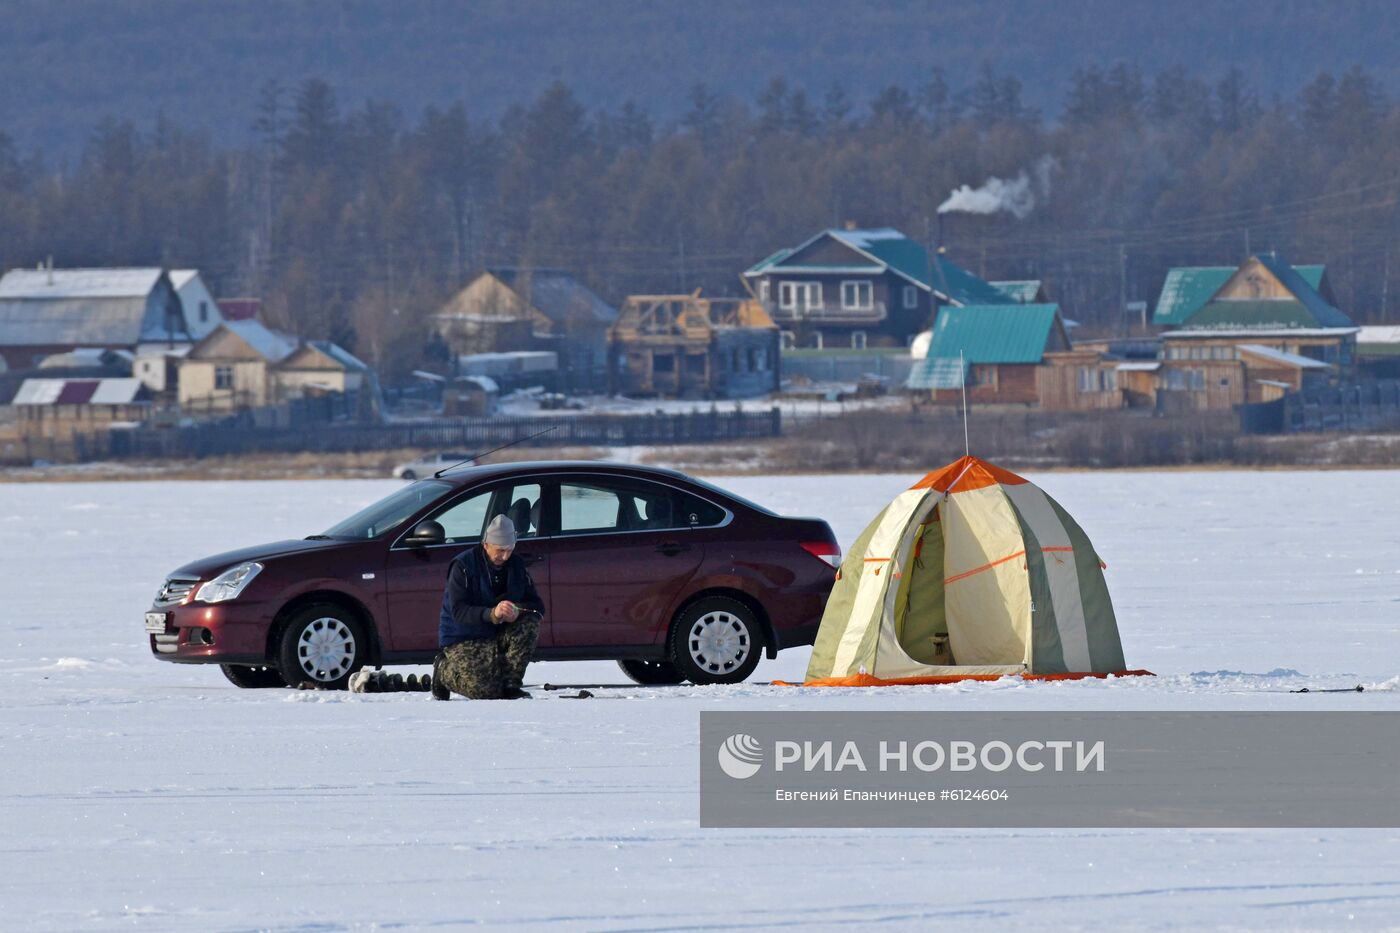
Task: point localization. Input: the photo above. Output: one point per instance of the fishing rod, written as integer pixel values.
(473, 457)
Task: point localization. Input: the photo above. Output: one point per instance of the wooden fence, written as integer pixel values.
(469, 434)
(1354, 407)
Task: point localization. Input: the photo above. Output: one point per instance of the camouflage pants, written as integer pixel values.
(483, 669)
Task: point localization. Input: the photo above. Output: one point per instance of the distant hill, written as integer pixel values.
(66, 65)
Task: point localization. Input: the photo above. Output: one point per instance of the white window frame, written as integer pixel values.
(911, 296)
(763, 290)
(787, 340)
(817, 343)
(859, 341)
(787, 295)
(856, 285)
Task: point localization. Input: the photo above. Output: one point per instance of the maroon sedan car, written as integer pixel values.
(674, 578)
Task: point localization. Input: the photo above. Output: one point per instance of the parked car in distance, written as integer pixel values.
(674, 578)
(430, 464)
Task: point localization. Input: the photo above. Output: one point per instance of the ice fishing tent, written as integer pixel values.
(973, 572)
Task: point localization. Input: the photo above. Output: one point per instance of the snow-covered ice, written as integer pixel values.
(136, 794)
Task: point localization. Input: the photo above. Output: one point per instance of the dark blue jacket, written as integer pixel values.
(467, 602)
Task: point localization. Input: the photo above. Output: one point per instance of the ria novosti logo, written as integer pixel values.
(740, 756)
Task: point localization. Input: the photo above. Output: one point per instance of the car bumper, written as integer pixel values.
(223, 633)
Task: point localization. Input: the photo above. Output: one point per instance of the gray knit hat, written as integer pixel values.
(501, 532)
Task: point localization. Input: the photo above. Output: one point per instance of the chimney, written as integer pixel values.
(850, 225)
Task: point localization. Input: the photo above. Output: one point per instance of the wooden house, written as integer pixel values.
(998, 349)
(1249, 334)
(508, 309)
(243, 364)
(687, 346)
(859, 288)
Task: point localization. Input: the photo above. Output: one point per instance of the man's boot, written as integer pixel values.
(435, 685)
(513, 691)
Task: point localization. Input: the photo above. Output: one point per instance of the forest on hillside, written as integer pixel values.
(355, 223)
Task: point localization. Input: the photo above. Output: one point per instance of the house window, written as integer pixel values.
(663, 363)
(857, 295)
(1108, 380)
(793, 296)
(788, 340)
(982, 376)
(223, 377)
(1087, 380)
(1198, 380)
(911, 296)
(762, 289)
(857, 340)
(203, 311)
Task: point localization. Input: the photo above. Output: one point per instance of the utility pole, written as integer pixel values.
(1123, 288)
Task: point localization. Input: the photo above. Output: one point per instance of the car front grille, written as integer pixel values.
(175, 591)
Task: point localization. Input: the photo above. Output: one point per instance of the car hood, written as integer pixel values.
(207, 567)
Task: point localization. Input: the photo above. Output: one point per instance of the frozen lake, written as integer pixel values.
(154, 796)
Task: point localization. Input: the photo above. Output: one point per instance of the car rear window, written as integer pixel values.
(726, 494)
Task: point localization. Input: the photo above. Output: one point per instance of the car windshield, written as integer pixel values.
(390, 512)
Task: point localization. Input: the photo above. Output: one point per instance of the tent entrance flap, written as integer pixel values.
(921, 617)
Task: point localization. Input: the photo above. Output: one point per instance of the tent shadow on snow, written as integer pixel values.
(973, 573)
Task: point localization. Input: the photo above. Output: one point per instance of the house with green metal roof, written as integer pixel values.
(1250, 333)
(996, 348)
(1187, 289)
(859, 288)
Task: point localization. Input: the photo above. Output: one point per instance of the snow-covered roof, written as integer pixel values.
(181, 277)
(484, 383)
(1282, 358)
(1379, 334)
(271, 345)
(1139, 366)
(1211, 333)
(1273, 382)
(78, 283)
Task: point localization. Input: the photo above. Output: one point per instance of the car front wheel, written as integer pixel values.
(322, 645)
(651, 673)
(252, 678)
(716, 641)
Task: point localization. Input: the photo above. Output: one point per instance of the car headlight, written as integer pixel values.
(229, 584)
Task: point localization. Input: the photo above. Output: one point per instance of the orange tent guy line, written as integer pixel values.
(996, 563)
(866, 680)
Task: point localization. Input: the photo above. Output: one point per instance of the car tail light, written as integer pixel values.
(825, 551)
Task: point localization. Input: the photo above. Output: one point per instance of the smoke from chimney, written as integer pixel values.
(1016, 196)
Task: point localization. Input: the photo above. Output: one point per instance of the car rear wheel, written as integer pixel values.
(252, 678)
(651, 673)
(716, 641)
(321, 645)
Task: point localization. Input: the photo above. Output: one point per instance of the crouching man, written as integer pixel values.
(490, 620)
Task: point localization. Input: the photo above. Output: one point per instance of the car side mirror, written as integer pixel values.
(426, 533)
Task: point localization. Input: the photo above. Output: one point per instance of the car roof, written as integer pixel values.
(474, 474)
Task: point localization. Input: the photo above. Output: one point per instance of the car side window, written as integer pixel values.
(587, 507)
(523, 504)
(698, 513)
(463, 521)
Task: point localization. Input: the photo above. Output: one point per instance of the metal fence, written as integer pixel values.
(470, 433)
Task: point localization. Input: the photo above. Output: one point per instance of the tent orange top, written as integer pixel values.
(978, 474)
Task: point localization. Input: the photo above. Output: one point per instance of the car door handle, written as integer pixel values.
(531, 558)
(671, 548)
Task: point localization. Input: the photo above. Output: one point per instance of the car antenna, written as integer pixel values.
(518, 440)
